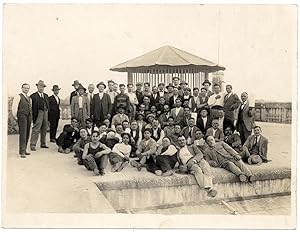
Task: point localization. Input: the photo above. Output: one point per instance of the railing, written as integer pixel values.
(273, 112)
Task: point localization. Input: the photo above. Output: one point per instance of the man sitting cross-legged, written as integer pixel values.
(166, 159)
(233, 139)
(78, 147)
(256, 148)
(220, 154)
(146, 151)
(95, 155)
(191, 160)
(119, 157)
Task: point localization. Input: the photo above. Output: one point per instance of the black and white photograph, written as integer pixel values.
(149, 116)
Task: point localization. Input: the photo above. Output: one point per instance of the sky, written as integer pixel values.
(63, 43)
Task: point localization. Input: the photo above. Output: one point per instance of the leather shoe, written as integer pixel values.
(27, 153)
(32, 148)
(23, 156)
(102, 172)
(44, 146)
(52, 141)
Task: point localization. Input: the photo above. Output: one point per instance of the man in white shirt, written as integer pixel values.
(157, 133)
(216, 100)
(191, 160)
(21, 110)
(111, 91)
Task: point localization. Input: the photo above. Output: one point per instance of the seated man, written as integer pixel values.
(146, 151)
(256, 148)
(110, 139)
(175, 135)
(119, 117)
(136, 138)
(191, 160)
(200, 141)
(157, 133)
(215, 131)
(89, 126)
(126, 126)
(78, 147)
(166, 159)
(189, 132)
(119, 157)
(169, 129)
(221, 155)
(68, 137)
(95, 155)
(233, 139)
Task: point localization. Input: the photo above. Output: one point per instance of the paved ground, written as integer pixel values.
(51, 182)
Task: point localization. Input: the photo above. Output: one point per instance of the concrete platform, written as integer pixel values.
(48, 182)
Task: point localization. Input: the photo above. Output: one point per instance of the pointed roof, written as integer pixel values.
(168, 56)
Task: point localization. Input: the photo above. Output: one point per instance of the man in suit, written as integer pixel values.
(223, 121)
(169, 94)
(80, 106)
(101, 105)
(90, 94)
(231, 103)
(21, 110)
(40, 108)
(203, 98)
(111, 91)
(206, 84)
(177, 113)
(75, 92)
(163, 118)
(215, 131)
(191, 160)
(233, 139)
(154, 97)
(256, 148)
(139, 92)
(176, 82)
(119, 118)
(203, 121)
(174, 97)
(189, 131)
(161, 90)
(186, 117)
(220, 154)
(194, 102)
(54, 113)
(245, 121)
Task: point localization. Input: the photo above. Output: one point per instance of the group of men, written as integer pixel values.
(159, 128)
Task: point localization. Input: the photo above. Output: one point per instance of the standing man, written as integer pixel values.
(216, 100)
(139, 92)
(194, 102)
(75, 92)
(147, 91)
(177, 112)
(21, 109)
(90, 94)
(111, 91)
(80, 106)
(206, 84)
(231, 103)
(154, 97)
(176, 82)
(245, 121)
(101, 105)
(174, 97)
(189, 132)
(122, 99)
(161, 90)
(169, 94)
(54, 113)
(40, 107)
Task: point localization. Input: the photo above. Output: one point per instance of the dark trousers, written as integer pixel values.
(53, 127)
(166, 162)
(92, 163)
(24, 123)
(244, 133)
(65, 141)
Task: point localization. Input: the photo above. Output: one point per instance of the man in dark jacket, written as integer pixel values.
(40, 108)
(54, 113)
(76, 84)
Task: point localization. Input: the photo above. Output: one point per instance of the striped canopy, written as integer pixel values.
(168, 56)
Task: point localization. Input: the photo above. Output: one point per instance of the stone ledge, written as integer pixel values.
(221, 176)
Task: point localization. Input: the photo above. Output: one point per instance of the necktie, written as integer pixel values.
(190, 132)
(226, 97)
(256, 138)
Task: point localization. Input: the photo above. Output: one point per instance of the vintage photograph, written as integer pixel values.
(149, 116)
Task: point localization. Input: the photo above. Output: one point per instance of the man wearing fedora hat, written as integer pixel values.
(206, 84)
(101, 105)
(256, 148)
(40, 108)
(169, 94)
(54, 113)
(176, 82)
(80, 106)
(76, 84)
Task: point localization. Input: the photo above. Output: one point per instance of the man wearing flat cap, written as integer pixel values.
(101, 105)
(176, 82)
(75, 92)
(139, 92)
(54, 113)
(40, 108)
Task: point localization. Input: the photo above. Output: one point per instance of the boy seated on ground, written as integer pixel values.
(215, 131)
(119, 157)
(146, 151)
(68, 136)
(78, 147)
(95, 155)
(256, 148)
(166, 159)
(191, 160)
